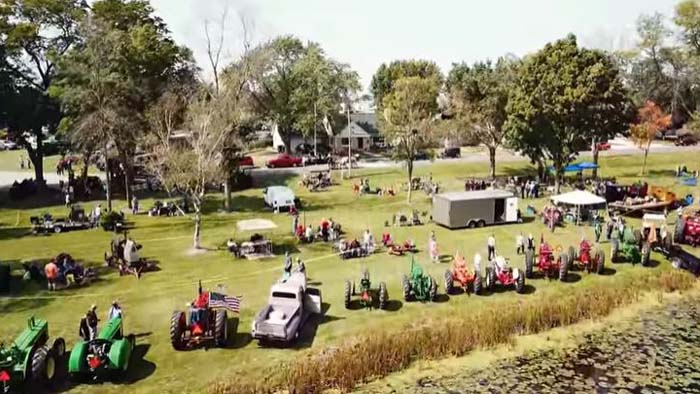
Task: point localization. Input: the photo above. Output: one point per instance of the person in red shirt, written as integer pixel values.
(51, 271)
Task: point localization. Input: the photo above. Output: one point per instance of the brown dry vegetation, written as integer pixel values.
(378, 354)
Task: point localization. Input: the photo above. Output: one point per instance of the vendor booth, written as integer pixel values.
(579, 205)
(257, 247)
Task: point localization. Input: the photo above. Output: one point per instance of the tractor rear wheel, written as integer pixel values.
(680, 228)
(347, 294)
(520, 283)
(489, 279)
(529, 263)
(449, 282)
(564, 267)
(638, 238)
(433, 289)
(599, 258)
(59, 347)
(406, 285)
(572, 253)
(477, 283)
(177, 330)
(43, 366)
(220, 328)
(383, 296)
(614, 249)
(646, 250)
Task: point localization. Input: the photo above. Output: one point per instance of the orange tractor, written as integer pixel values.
(586, 258)
(547, 264)
(460, 277)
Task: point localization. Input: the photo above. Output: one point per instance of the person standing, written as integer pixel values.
(91, 318)
(96, 214)
(295, 223)
(134, 205)
(115, 311)
(21, 162)
(51, 272)
(433, 248)
(491, 246)
(598, 229)
(520, 244)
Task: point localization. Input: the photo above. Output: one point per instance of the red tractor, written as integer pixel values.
(547, 264)
(500, 272)
(687, 231)
(585, 260)
(206, 321)
(460, 277)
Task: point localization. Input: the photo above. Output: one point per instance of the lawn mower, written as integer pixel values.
(206, 321)
(546, 263)
(460, 277)
(108, 353)
(628, 248)
(500, 272)
(585, 260)
(418, 286)
(29, 361)
(369, 298)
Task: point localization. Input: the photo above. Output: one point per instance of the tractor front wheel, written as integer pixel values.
(406, 285)
(520, 283)
(347, 294)
(678, 233)
(646, 250)
(477, 284)
(177, 330)
(489, 279)
(433, 289)
(220, 328)
(59, 347)
(449, 282)
(43, 366)
(383, 296)
(564, 267)
(529, 263)
(599, 258)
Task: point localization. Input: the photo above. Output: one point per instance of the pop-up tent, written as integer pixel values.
(580, 203)
(577, 167)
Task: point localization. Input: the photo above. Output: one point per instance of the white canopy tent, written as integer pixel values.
(579, 198)
(255, 225)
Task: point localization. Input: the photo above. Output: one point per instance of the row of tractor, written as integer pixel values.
(32, 362)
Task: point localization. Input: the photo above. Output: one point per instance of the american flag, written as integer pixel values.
(218, 300)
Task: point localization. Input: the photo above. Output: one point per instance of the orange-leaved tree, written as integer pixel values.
(650, 120)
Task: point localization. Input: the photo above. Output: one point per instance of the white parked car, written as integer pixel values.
(8, 145)
(279, 197)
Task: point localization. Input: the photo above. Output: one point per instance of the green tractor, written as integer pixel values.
(419, 286)
(369, 298)
(29, 361)
(631, 247)
(109, 353)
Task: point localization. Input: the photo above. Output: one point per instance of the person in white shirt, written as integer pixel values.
(520, 244)
(114, 311)
(491, 246)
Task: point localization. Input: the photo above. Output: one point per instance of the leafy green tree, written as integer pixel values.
(563, 97)
(33, 34)
(289, 78)
(130, 60)
(688, 19)
(478, 100)
(386, 76)
(409, 113)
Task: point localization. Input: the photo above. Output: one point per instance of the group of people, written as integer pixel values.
(301, 267)
(22, 162)
(397, 249)
(317, 181)
(65, 164)
(88, 323)
(529, 189)
(364, 188)
(327, 230)
(682, 170)
(474, 184)
(64, 271)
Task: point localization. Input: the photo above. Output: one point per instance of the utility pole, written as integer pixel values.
(315, 122)
(349, 142)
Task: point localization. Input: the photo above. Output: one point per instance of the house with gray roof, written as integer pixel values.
(362, 133)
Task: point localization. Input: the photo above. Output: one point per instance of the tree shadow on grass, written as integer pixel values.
(14, 232)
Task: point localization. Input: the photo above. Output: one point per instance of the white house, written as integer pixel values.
(362, 133)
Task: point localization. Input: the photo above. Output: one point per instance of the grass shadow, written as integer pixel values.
(14, 232)
(140, 368)
(393, 305)
(572, 277)
(441, 298)
(653, 263)
(607, 271)
(529, 289)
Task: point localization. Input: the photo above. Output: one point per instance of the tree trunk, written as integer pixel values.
(557, 177)
(227, 194)
(84, 174)
(36, 156)
(644, 164)
(409, 166)
(594, 149)
(541, 171)
(128, 176)
(492, 160)
(108, 173)
(197, 228)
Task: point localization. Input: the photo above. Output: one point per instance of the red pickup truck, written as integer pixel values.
(284, 160)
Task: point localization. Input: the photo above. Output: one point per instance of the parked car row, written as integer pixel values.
(8, 145)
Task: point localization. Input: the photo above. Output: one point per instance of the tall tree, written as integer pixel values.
(478, 100)
(688, 19)
(143, 60)
(34, 34)
(650, 120)
(564, 96)
(288, 78)
(386, 76)
(409, 112)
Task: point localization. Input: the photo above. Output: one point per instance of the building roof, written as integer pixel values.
(361, 125)
(475, 195)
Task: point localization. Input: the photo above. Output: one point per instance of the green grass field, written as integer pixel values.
(148, 303)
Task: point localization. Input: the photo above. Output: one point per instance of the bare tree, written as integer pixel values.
(214, 48)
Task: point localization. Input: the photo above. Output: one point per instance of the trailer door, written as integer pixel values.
(512, 209)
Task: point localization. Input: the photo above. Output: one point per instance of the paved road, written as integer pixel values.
(618, 148)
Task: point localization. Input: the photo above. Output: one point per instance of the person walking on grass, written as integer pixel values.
(51, 272)
(491, 247)
(134, 205)
(598, 229)
(433, 248)
(520, 244)
(91, 318)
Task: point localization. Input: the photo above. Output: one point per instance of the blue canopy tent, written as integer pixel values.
(587, 165)
(689, 182)
(577, 167)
